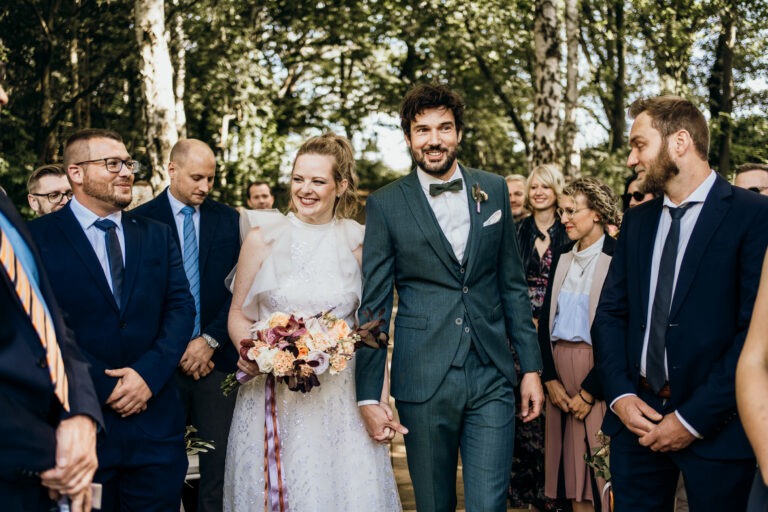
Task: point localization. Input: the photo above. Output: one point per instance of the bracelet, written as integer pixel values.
(585, 400)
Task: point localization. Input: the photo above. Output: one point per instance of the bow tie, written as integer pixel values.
(435, 189)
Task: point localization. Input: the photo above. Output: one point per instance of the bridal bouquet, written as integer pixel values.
(295, 350)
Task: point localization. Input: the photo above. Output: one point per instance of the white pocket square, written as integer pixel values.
(493, 219)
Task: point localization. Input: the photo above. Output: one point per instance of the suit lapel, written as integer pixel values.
(712, 212)
(132, 255)
(75, 235)
(649, 224)
(165, 214)
(475, 225)
(208, 224)
(598, 278)
(425, 219)
(563, 264)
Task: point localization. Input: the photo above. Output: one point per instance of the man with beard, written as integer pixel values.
(208, 235)
(48, 189)
(444, 236)
(119, 278)
(672, 320)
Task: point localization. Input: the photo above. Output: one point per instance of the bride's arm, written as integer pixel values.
(252, 255)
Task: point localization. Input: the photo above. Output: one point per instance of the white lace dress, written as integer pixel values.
(329, 462)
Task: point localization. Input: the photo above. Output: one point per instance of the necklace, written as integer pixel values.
(586, 265)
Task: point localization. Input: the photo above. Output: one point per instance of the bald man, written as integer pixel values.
(208, 236)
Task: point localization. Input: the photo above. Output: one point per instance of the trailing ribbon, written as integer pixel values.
(276, 493)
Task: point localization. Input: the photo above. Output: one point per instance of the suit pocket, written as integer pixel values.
(411, 322)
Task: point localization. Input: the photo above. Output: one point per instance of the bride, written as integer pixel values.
(307, 261)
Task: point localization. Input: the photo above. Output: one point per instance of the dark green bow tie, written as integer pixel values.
(435, 189)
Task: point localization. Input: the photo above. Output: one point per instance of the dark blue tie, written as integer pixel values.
(114, 255)
(655, 369)
(191, 265)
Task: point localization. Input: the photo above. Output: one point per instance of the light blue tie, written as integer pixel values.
(191, 263)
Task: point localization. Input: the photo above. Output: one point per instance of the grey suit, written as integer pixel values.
(452, 369)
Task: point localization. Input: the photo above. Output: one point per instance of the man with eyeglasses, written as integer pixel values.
(120, 280)
(752, 176)
(49, 189)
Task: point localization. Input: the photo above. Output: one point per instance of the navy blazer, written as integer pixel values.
(709, 317)
(151, 330)
(29, 410)
(219, 248)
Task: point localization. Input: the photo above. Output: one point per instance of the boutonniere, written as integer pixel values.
(478, 195)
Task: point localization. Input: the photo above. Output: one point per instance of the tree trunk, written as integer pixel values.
(156, 75)
(547, 82)
(618, 113)
(571, 155)
(726, 98)
(179, 45)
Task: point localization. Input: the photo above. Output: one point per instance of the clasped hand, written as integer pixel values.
(196, 360)
(131, 392)
(380, 422)
(657, 432)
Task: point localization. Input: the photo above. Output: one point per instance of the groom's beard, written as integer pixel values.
(439, 168)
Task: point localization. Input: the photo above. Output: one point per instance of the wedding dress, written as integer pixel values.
(329, 462)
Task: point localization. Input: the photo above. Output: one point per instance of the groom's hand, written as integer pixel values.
(531, 396)
(380, 422)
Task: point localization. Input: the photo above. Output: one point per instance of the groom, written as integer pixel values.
(445, 238)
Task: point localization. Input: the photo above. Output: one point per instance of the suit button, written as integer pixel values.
(459, 321)
(42, 363)
(465, 289)
(462, 270)
(123, 325)
(466, 329)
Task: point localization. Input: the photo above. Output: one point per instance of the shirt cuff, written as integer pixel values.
(367, 402)
(619, 398)
(688, 427)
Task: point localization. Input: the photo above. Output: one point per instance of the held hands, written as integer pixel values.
(639, 417)
(558, 396)
(531, 396)
(196, 361)
(131, 393)
(668, 436)
(581, 403)
(76, 462)
(380, 422)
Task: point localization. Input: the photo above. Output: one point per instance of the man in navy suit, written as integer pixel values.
(209, 355)
(119, 279)
(672, 320)
(48, 451)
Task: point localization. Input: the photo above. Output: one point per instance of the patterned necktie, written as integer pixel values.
(655, 368)
(114, 255)
(435, 189)
(38, 315)
(191, 265)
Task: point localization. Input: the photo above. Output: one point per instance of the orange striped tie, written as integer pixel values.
(41, 321)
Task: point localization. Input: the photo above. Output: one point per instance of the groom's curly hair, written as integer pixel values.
(424, 96)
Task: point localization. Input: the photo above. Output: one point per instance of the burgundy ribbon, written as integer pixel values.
(276, 493)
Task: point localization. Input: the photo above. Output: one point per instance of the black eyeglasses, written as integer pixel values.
(115, 165)
(637, 196)
(759, 190)
(55, 197)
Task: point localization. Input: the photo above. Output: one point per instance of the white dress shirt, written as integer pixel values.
(451, 208)
(96, 237)
(687, 223)
(178, 217)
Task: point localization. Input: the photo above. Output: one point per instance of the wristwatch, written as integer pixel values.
(211, 341)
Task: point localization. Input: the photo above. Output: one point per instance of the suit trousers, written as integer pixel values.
(210, 412)
(473, 411)
(25, 496)
(644, 480)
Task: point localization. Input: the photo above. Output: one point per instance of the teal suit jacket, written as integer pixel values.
(441, 301)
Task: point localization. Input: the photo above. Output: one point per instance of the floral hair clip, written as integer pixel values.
(478, 195)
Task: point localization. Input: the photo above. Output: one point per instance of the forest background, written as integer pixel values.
(544, 80)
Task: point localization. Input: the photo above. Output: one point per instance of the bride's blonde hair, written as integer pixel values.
(340, 149)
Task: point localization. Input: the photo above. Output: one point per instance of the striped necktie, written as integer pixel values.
(38, 315)
(191, 265)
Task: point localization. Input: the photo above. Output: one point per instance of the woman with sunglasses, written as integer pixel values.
(575, 408)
